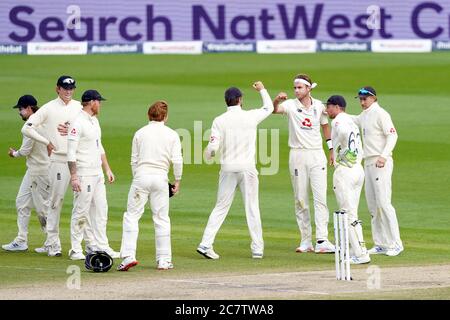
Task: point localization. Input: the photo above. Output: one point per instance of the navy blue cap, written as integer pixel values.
(232, 93)
(25, 101)
(89, 95)
(67, 82)
(337, 100)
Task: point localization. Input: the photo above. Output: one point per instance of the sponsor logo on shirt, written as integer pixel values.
(306, 124)
(73, 132)
(392, 130)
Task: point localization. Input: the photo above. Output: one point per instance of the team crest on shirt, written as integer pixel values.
(306, 124)
(212, 139)
(73, 132)
(392, 130)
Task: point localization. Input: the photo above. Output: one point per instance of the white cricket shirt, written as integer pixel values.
(84, 144)
(378, 131)
(49, 116)
(346, 137)
(304, 124)
(233, 133)
(154, 148)
(36, 154)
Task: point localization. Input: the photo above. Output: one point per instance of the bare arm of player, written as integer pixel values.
(107, 169)
(277, 109)
(74, 181)
(327, 135)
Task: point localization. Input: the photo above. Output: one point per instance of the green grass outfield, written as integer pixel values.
(414, 88)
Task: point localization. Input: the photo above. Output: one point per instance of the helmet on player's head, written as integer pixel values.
(98, 261)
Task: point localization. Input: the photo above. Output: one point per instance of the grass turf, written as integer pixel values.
(412, 87)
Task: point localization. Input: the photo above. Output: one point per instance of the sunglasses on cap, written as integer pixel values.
(365, 92)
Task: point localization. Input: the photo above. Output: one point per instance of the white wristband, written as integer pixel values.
(329, 144)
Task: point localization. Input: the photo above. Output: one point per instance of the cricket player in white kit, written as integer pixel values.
(379, 137)
(60, 111)
(348, 176)
(234, 134)
(85, 158)
(307, 161)
(34, 189)
(155, 147)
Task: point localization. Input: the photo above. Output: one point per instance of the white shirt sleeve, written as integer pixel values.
(25, 148)
(267, 108)
(34, 121)
(323, 116)
(389, 131)
(177, 158)
(356, 119)
(283, 107)
(214, 141)
(134, 154)
(73, 138)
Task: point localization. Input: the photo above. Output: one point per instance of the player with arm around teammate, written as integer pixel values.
(85, 158)
(53, 114)
(34, 189)
(234, 133)
(348, 176)
(307, 161)
(155, 148)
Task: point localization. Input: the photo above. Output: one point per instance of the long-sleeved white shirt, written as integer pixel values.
(304, 123)
(49, 116)
(378, 131)
(155, 147)
(36, 154)
(233, 133)
(84, 145)
(346, 138)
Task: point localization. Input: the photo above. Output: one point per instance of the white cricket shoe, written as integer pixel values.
(394, 252)
(208, 253)
(360, 260)
(76, 255)
(42, 249)
(53, 252)
(377, 250)
(324, 247)
(15, 246)
(257, 255)
(127, 263)
(164, 265)
(112, 253)
(305, 246)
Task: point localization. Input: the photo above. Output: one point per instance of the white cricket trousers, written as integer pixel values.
(308, 168)
(59, 176)
(385, 229)
(347, 185)
(249, 184)
(90, 215)
(144, 188)
(33, 193)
